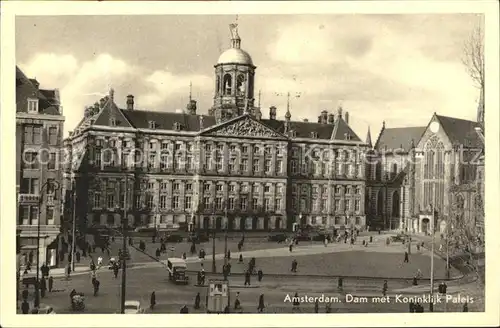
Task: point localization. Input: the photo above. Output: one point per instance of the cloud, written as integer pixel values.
(83, 83)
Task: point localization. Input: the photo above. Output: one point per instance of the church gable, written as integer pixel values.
(243, 126)
(434, 133)
(112, 116)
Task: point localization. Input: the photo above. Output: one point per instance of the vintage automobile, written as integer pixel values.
(277, 237)
(198, 238)
(133, 307)
(176, 268)
(173, 238)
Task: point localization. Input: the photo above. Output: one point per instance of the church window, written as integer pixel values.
(227, 84)
(217, 84)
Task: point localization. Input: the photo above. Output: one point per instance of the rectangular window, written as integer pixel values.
(151, 162)
(29, 186)
(151, 145)
(313, 220)
(244, 149)
(232, 187)
(52, 136)
(255, 204)
(255, 189)
(231, 203)
(164, 186)
(267, 164)
(30, 161)
(206, 187)
(256, 150)
(218, 187)
(150, 201)
(176, 186)
(110, 201)
(277, 204)
(175, 202)
(293, 166)
(189, 163)
(294, 189)
(206, 202)
(163, 201)
(256, 165)
(219, 163)
(51, 165)
(324, 205)
(324, 220)
(244, 188)
(28, 134)
(164, 145)
(357, 205)
(218, 203)
(279, 166)
(138, 201)
(243, 203)
(97, 200)
(303, 204)
(37, 135)
(279, 189)
(32, 105)
(34, 215)
(244, 165)
(232, 164)
(347, 205)
(187, 203)
(151, 185)
(267, 188)
(267, 205)
(337, 205)
(293, 203)
(189, 186)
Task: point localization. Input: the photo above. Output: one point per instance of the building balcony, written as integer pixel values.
(35, 199)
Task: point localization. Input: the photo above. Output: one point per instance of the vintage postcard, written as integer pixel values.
(261, 159)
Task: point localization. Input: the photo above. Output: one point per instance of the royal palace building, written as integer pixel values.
(231, 168)
(39, 139)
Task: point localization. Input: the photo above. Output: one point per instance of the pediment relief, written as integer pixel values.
(246, 127)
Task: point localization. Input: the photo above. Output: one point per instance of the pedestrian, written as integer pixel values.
(328, 307)
(241, 258)
(316, 306)
(412, 307)
(384, 288)
(115, 270)
(247, 278)
(25, 307)
(84, 252)
(441, 247)
(294, 266)
(261, 306)
(228, 254)
(113, 239)
(78, 255)
(69, 257)
(153, 239)
(415, 281)
(340, 283)
(30, 257)
(99, 262)
(224, 271)
(198, 278)
(418, 247)
(290, 247)
(406, 260)
(93, 277)
(102, 249)
(43, 287)
(51, 284)
(197, 300)
(68, 270)
(193, 249)
(465, 307)
(240, 245)
(260, 274)
(157, 253)
(96, 287)
(237, 304)
(152, 301)
(296, 302)
(184, 256)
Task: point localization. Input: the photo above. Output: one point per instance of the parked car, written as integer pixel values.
(318, 237)
(198, 238)
(133, 307)
(302, 236)
(277, 237)
(46, 309)
(174, 238)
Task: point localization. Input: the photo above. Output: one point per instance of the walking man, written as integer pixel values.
(247, 278)
(406, 258)
(261, 306)
(152, 301)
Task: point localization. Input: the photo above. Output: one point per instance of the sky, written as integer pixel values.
(394, 68)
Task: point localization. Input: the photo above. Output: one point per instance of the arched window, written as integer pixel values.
(395, 204)
(380, 203)
(240, 84)
(228, 83)
(459, 202)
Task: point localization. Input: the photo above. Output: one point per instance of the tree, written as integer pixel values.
(465, 241)
(473, 58)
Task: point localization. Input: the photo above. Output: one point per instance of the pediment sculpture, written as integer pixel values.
(246, 128)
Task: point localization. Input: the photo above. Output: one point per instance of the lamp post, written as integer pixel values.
(55, 186)
(225, 237)
(124, 246)
(73, 229)
(214, 268)
(431, 303)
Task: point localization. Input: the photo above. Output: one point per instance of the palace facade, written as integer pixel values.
(39, 131)
(233, 168)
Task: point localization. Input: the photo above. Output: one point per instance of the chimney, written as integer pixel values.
(324, 117)
(331, 119)
(272, 113)
(130, 102)
(346, 117)
(258, 114)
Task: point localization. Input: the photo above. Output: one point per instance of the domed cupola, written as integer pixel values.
(234, 79)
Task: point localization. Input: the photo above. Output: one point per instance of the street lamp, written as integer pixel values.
(124, 247)
(73, 230)
(55, 186)
(448, 230)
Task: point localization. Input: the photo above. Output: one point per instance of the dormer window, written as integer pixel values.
(314, 135)
(177, 126)
(32, 105)
(112, 121)
(347, 136)
(293, 134)
(152, 124)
